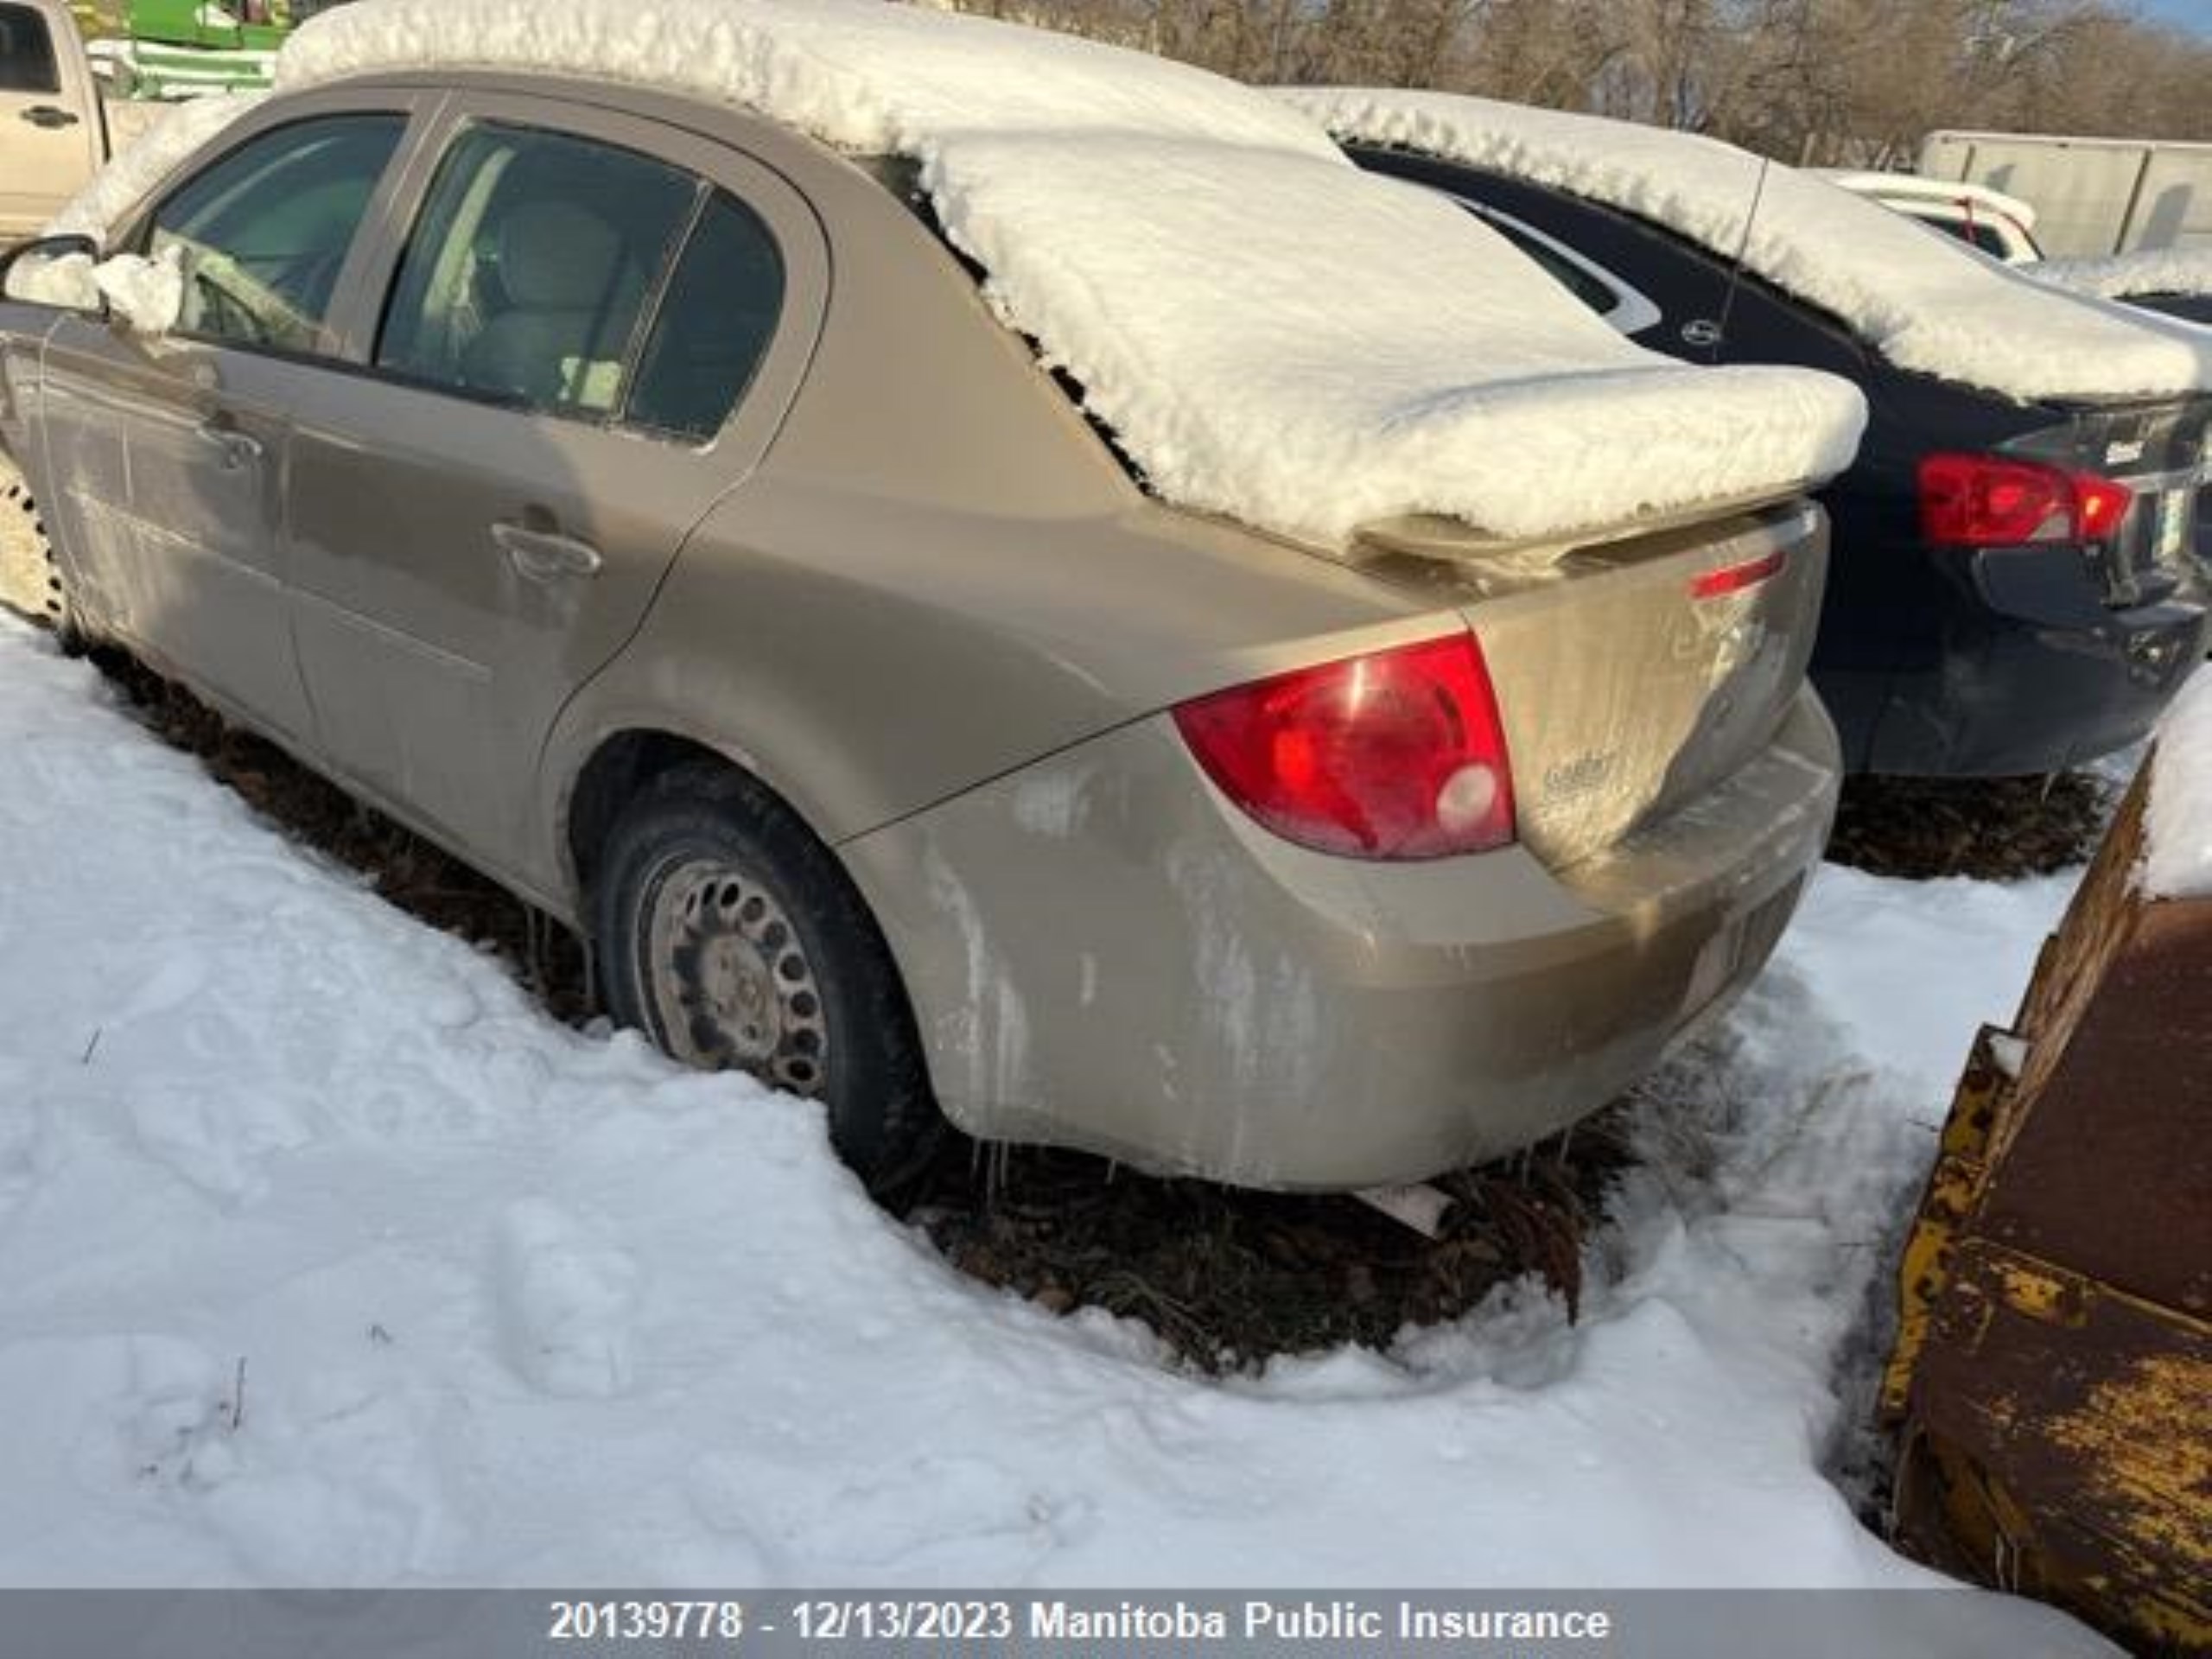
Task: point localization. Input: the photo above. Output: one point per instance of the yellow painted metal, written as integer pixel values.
(2055, 1423)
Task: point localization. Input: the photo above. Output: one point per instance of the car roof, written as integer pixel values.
(1113, 199)
(1926, 303)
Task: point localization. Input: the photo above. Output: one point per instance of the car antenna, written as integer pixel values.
(1742, 247)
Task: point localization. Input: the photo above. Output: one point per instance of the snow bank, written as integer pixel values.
(1926, 302)
(2128, 275)
(1270, 334)
(2177, 846)
(520, 1306)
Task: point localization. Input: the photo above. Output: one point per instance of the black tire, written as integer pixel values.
(30, 583)
(728, 933)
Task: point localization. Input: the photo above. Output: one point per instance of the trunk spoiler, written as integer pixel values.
(1429, 536)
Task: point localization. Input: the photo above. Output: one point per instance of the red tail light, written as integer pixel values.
(1996, 501)
(1400, 755)
(1735, 578)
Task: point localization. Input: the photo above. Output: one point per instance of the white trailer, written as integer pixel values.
(2093, 197)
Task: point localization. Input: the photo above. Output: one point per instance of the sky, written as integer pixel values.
(2193, 14)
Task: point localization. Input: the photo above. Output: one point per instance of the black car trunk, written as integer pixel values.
(2157, 450)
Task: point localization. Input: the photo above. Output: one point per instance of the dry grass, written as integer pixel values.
(1985, 829)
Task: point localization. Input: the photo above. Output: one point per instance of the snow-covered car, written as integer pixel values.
(2002, 227)
(658, 469)
(2177, 281)
(52, 134)
(2016, 584)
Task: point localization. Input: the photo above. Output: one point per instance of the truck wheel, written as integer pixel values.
(729, 935)
(29, 583)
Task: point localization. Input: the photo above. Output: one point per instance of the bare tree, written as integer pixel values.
(1809, 81)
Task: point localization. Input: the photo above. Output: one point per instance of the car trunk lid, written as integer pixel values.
(2157, 450)
(1632, 673)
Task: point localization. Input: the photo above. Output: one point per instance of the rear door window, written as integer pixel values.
(264, 233)
(530, 278)
(27, 60)
(715, 326)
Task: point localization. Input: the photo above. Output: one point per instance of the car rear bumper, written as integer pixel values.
(2025, 682)
(1103, 953)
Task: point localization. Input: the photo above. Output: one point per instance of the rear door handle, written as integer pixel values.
(46, 115)
(545, 555)
(238, 448)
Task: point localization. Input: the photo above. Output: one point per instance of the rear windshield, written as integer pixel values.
(26, 62)
(1987, 238)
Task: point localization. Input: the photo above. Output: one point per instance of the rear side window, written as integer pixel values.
(715, 326)
(265, 232)
(27, 63)
(530, 273)
(1561, 269)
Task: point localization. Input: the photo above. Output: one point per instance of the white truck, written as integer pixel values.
(53, 130)
(2093, 197)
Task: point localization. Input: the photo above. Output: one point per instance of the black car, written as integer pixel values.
(2189, 308)
(2015, 586)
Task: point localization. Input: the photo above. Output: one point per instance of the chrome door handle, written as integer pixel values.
(238, 448)
(545, 555)
(46, 115)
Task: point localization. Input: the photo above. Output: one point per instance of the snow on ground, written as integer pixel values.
(1926, 302)
(1116, 200)
(514, 1304)
(2177, 840)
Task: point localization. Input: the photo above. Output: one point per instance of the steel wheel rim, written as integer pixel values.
(728, 978)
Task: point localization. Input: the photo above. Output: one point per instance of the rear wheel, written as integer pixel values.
(29, 583)
(729, 935)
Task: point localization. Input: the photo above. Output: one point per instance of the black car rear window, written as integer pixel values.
(27, 63)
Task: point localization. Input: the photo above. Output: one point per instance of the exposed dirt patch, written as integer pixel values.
(1985, 829)
(1229, 1279)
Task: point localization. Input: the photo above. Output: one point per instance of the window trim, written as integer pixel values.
(1631, 312)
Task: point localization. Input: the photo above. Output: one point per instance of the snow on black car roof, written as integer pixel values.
(1924, 302)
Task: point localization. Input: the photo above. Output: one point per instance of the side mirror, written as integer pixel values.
(55, 271)
(145, 296)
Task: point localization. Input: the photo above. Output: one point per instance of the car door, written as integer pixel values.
(50, 133)
(591, 331)
(164, 455)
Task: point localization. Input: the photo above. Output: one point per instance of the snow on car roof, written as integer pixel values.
(1270, 333)
(1923, 302)
(2177, 839)
(2127, 276)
